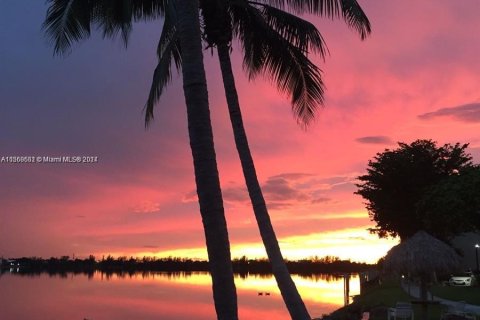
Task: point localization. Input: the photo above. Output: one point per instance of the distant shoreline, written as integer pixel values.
(147, 264)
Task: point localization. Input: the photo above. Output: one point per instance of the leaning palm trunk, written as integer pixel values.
(287, 287)
(205, 166)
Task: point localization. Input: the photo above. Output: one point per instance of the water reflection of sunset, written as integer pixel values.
(318, 288)
(154, 295)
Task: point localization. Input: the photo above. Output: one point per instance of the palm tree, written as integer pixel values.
(70, 20)
(276, 43)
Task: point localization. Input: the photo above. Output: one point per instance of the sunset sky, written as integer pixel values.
(417, 76)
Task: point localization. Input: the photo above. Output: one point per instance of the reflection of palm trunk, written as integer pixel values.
(206, 173)
(287, 287)
(408, 281)
(346, 288)
(424, 296)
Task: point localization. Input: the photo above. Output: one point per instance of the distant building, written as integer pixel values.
(9, 264)
(466, 246)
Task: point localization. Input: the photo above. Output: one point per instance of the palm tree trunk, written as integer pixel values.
(204, 161)
(287, 287)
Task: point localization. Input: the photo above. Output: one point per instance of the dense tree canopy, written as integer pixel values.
(453, 205)
(422, 186)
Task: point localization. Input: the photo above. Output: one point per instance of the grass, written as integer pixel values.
(470, 295)
(377, 300)
(386, 294)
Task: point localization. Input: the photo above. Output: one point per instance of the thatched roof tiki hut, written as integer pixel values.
(422, 255)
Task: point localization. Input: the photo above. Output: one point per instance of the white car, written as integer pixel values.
(464, 279)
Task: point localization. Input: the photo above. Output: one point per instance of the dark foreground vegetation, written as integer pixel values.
(108, 264)
(377, 299)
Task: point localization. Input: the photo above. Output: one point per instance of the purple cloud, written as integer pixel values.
(279, 189)
(235, 194)
(147, 246)
(469, 112)
(321, 200)
(374, 140)
(287, 189)
(292, 176)
(278, 205)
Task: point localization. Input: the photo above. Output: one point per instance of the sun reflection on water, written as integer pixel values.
(316, 288)
(154, 295)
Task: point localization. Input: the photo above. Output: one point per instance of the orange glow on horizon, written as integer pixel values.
(355, 244)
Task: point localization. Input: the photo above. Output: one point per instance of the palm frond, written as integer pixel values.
(244, 30)
(356, 18)
(145, 10)
(113, 17)
(328, 8)
(349, 10)
(299, 32)
(267, 52)
(168, 51)
(70, 21)
(297, 76)
(67, 21)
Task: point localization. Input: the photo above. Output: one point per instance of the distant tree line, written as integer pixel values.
(109, 264)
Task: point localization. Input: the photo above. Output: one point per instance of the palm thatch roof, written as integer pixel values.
(422, 254)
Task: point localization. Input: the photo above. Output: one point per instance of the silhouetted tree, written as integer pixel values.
(397, 181)
(453, 205)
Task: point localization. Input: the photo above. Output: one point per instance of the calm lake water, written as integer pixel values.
(156, 296)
